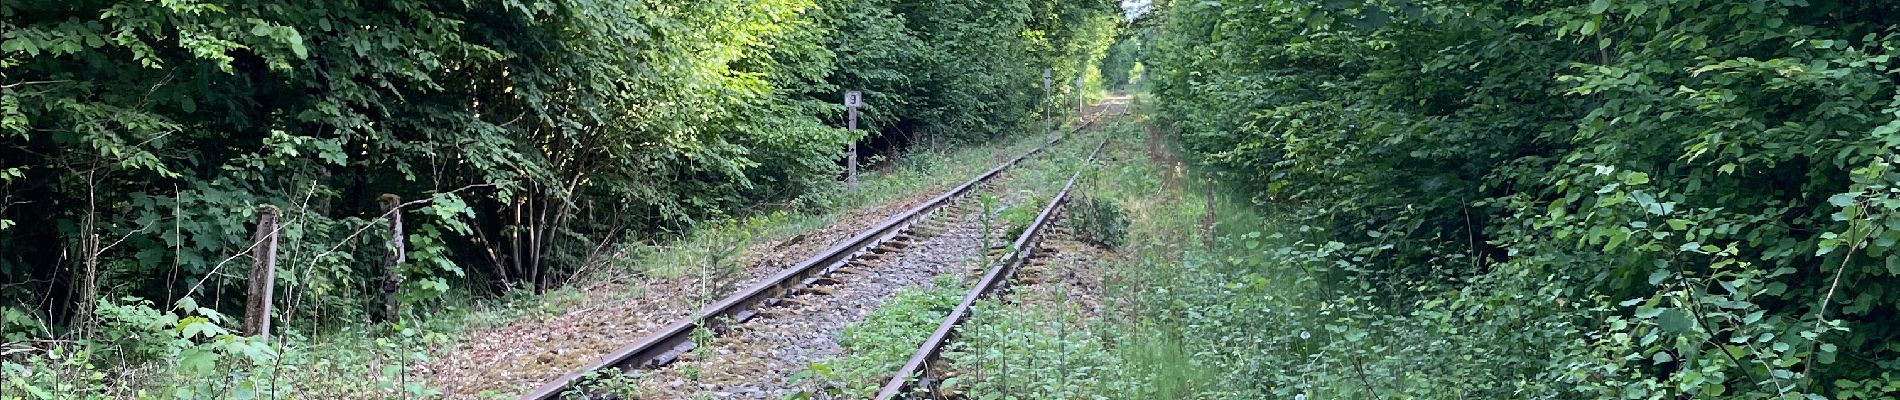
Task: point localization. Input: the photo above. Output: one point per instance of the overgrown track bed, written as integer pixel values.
(670, 342)
(919, 371)
(756, 358)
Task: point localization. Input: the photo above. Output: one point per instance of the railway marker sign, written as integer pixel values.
(852, 100)
(1079, 107)
(1048, 82)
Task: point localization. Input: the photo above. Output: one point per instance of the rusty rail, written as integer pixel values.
(993, 280)
(667, 344)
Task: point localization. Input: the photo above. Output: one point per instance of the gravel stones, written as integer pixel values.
(607, 315)
(1064, 273)
(755, 359)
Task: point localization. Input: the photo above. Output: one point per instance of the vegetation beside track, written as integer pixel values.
(1593, 199)
(1269, 307)
(524, 139)
(1589, 199)
(1585, 199)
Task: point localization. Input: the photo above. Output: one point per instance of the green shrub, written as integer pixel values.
(200, 358)
(1666, 198)
(583, 121)
(1017, 217)
(609, 382)
(1098, 220)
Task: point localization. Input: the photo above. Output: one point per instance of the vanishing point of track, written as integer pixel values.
(675, 339)
(911, 375)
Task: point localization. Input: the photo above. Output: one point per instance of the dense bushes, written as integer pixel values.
(139, 138)
(1633, 198)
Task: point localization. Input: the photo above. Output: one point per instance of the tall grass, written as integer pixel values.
(1236, 310)
(1257, 307)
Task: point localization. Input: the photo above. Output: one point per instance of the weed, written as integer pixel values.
(607, 383)
(1016, 218)
(1022, 351)
(1098, 221)
(877, 346)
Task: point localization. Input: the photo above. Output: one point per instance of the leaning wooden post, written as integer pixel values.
(263, 273)
(392, 276)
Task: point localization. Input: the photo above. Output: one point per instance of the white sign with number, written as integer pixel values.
(852, 100)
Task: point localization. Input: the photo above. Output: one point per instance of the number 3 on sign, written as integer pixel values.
(853, 99)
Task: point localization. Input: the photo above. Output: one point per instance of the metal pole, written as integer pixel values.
(851, 178)
(1080, 108)
(852, 100)
(1048, 83)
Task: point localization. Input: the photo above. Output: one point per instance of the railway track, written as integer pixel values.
(919, 372)
(671, 342)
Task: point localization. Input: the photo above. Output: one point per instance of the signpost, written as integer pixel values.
(852, 100)
(1079, 107)
(1048, 82)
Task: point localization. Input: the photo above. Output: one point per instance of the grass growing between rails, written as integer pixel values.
(145, 350)
(923, 172)
(1043, 347)
(876, 347)
(881, 343)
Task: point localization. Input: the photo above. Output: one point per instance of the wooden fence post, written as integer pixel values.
(392, 275)
(257, 300)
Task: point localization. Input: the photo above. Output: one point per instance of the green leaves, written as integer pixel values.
(1673, 320)
(20, 45)
(882, 342)
(1599, 6)
(1699, 159)
(531, 130)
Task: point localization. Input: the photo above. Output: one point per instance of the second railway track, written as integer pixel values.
(802, 291)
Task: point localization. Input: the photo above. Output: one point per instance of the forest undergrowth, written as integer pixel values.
(152, 148)
(1594, 199)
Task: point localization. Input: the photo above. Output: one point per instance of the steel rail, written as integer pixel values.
(668, 343)
(993, 280)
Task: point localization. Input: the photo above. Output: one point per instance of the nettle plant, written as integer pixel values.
(1098, 220)
(203, 359)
